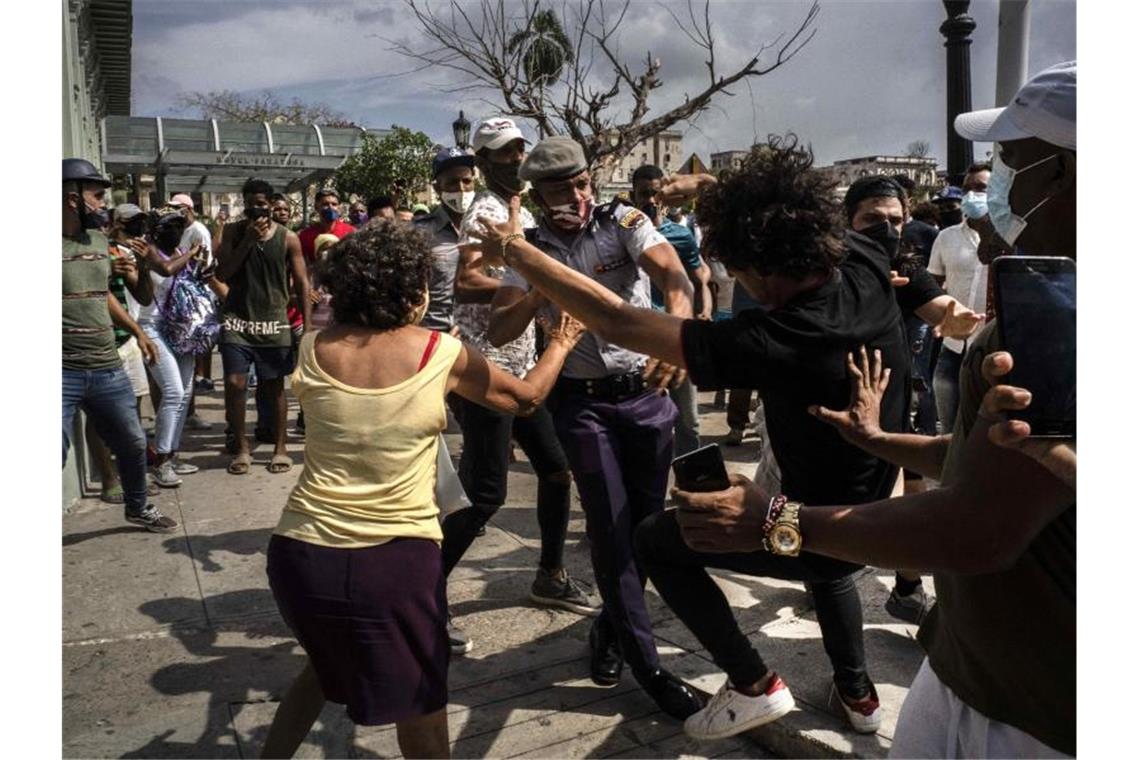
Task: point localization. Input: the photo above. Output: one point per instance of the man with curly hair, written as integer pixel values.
(777, 226)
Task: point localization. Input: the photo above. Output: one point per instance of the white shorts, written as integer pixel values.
(934, 722)
(135, 368)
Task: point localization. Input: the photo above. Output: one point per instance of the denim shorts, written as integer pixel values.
(272, 362)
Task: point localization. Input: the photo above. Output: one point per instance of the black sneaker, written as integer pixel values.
(555, 588)
(151, 519)
(458, 640)
(675, 697)
(911, 608)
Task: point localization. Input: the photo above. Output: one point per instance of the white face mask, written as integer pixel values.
(1006, 223)
(458, 202)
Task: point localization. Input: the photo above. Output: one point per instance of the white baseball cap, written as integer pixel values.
(494, 133)
(1045, 107)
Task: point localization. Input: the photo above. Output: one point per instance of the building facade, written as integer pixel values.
(726, 159)
(663, 150)
(924, 171)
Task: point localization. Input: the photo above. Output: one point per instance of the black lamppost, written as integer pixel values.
(956, 29)
(461, 130)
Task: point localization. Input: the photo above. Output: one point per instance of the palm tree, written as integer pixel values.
(545, 48)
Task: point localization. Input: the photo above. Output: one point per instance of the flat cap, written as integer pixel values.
(553, 158)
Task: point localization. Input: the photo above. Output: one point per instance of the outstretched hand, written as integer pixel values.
(723, 521)
(1058, 456)
(489, 234)
(958, 322)
(682, 187)
(859, 422)
(568, 332)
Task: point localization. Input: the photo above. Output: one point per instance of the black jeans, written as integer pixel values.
(679, 575)
(739, 408)
(483, 468)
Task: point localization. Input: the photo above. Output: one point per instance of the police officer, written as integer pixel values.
(616, 428)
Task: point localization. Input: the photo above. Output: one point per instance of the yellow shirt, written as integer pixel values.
(370, 455)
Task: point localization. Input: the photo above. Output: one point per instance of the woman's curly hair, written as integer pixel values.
(377, 276)
(774, 214)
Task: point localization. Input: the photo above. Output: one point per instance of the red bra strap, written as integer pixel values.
(432, 342)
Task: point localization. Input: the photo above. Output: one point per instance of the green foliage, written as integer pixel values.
(547, 48)
(398, 163)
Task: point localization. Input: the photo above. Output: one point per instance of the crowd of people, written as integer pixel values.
(581, 331)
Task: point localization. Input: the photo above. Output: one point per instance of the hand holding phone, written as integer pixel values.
(701, 470)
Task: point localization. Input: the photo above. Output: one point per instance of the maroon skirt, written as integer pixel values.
(373, 622)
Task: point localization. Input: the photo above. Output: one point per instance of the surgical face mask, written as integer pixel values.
(359, 217)
(458, 202)
(885, 234)
(974, 205)
(505, 176)
(1006, 223)
(572, 216)
(135, 227)
(330, 214)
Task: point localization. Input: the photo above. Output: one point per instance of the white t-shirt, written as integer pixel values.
(198, 233)
(955, 257)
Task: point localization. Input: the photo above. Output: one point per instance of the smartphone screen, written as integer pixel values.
(701, 470)
(1037, 320)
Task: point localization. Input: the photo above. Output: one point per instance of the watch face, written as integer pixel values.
(786, 539)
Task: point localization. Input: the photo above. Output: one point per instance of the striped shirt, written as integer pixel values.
(88, 335)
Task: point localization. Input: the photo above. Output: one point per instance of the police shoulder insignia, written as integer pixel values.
(633, 220)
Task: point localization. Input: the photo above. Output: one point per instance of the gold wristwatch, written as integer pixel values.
(782, 534)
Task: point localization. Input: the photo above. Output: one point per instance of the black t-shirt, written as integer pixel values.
(921, 237)
(796, 356)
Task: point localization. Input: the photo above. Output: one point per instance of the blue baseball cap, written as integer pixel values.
(447, 157)
(947, 194)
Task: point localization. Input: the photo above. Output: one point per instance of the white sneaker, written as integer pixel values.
(866, 716)
(730, 712)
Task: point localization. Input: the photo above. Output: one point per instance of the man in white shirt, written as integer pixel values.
(955, 266)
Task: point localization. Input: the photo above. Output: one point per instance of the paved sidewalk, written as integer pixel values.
(172, 646)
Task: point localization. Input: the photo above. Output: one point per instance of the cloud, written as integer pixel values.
(871, 81)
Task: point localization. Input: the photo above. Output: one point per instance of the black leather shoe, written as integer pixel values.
(605, 658)
(675, 697)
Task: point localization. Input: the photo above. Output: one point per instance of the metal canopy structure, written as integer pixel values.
(205, 155)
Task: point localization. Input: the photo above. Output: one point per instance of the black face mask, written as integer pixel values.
(135, 227)
(650, 210)
(949, 218)
(167, 240)
(885, 235)
(505, 176)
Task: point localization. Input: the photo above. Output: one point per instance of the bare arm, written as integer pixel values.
(701, 278)
(300, 275)
(664, 268)
(472, 285)
(949, 318)
(512, 310)
(476, 379)
(169, 267)
(121, 318)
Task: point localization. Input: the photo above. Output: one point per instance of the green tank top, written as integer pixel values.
(88, 337)
(254, 311)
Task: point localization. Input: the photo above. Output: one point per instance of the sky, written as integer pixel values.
(871, 81)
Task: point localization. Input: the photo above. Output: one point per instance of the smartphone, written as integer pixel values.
(253, 213)
(1036, 299)
(701, 470)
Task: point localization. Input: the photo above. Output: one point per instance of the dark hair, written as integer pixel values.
(905, 182)
(647, 171)
(278, 197)
(980, 166)
(925, 212)
(377, 275)
(774, 214)
(871, 186)
(255, 186)
(324, 193)
(379, 202)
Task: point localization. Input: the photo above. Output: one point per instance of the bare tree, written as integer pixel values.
(605, 110)
(228, 105)
(918, 149)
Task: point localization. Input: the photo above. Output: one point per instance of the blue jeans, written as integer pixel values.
(687, 429)
(174, 375)
(946, 387)
(108, 399)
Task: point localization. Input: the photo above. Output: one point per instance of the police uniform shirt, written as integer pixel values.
(606, 251)
(444, 241)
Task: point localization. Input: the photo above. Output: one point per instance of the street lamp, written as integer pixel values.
(461, 130)
(956, 29)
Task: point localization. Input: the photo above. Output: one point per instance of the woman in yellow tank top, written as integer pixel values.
(354, 563)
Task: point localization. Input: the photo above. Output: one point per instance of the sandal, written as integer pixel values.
(240, 464)
(113, 495)
(280, 463)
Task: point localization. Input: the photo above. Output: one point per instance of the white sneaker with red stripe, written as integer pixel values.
(731, 712)
(866, 715)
